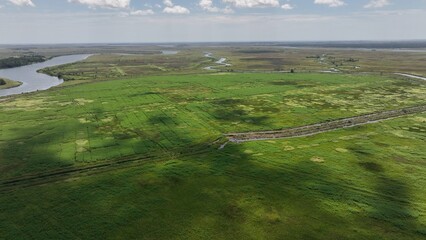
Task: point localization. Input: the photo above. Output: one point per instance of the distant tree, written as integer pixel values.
(292, 70)
(2, 82)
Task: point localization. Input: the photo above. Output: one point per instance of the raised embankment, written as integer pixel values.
(324, 126)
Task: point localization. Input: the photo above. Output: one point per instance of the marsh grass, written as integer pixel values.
(365, 182)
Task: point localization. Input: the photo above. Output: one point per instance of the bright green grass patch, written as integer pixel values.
(368, 186)
(171, 114)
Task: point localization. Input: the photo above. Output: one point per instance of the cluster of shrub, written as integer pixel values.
(2, 82)
(12, 62)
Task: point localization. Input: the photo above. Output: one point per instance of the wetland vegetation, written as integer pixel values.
(129, 146)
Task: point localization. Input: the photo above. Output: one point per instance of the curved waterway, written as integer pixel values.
(32, 80)
(220, 62)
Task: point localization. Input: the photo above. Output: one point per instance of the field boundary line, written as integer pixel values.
(71, 172)
(313, 129)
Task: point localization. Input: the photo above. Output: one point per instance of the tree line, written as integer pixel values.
(12, 62)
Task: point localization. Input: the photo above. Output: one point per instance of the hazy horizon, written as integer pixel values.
(184, 21)
(214, 42)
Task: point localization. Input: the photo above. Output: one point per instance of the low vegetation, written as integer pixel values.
(112, 119)
(349, 184)
(241, 59)
(135, 156)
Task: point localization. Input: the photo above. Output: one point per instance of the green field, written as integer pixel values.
(348, 184)
(364, 182)
(172, 114)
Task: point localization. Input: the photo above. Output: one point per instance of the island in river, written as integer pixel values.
(6, 83)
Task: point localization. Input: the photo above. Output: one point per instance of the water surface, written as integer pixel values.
(32, 80)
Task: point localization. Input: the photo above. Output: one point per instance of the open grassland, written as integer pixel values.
(365, 182)
(171, 115)
(133, 153)
(115, 66)
(241, 59)
(322, 59)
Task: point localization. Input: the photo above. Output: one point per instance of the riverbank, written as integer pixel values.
(31, 80)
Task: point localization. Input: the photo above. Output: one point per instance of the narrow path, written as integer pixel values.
(411, 76)
(313, 129)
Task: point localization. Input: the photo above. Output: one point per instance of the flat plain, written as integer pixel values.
(129, 147)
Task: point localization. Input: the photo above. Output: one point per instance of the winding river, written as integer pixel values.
(32, 80)
(220, 62)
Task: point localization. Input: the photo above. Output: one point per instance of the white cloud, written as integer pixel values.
(253, 3)
(104, 3)
(330, 3)
(207, 5)
(377, 4)
(168, 3)
(141, 12)
(22, 2)
(176, 10)
(287, 6)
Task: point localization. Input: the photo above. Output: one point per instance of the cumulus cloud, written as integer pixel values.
(174, 9)
(141, 12)
(330, 3)
(168, 3)
(23, 2)
(287, 6)
(377, 4)
(104, 3)
(207, 5)
(253, 3)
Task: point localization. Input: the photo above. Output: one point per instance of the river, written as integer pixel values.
(220, 62)
(32, 80)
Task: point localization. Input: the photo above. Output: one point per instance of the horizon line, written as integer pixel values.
(206, 42)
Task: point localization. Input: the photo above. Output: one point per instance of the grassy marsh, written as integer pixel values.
(364, 182)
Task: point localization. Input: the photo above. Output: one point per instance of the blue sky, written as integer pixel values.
(100, 21)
